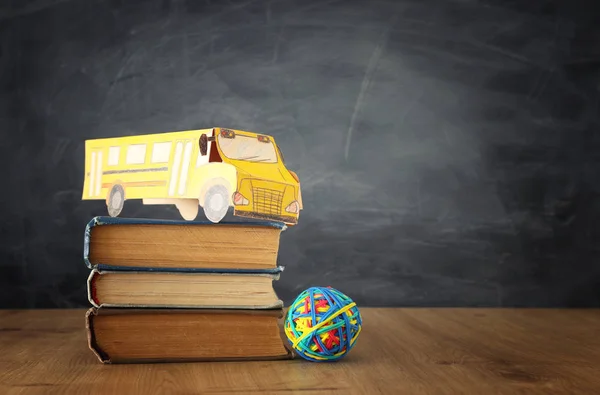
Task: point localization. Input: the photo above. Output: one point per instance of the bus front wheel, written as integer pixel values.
(216, 203)
(116, 200)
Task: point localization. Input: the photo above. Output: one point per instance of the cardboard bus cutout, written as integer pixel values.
(210, 168)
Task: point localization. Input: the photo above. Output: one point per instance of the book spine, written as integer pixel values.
(86, 241)
(89, 326)
(91, 288)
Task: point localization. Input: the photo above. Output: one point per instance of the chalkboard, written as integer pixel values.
(448, 151)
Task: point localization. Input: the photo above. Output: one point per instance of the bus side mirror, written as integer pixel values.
(203, 144)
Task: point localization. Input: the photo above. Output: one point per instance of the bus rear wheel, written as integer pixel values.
(188, 208)
(216, 203)
(116, 200)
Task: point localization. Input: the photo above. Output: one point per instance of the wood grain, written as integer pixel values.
(412, 351)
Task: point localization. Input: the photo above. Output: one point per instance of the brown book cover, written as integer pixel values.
(143, 289)
(186, 335)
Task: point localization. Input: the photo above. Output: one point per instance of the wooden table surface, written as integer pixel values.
(410, 351)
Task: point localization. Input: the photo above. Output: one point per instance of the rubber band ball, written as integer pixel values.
(322, 324)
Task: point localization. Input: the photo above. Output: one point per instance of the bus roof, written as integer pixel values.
(140, 138)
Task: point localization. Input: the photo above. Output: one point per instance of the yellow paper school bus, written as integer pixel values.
(213, 168)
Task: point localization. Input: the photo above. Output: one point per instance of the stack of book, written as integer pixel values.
(168, 291)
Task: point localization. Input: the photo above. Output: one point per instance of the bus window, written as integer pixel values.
(113, 156)
(161, 152)
(136, 154)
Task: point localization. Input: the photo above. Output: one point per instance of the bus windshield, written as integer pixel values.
(248, 149)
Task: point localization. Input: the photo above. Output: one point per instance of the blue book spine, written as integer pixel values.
(101, 221)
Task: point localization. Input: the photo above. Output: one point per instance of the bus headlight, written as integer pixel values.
(239, 199)
(294, 207)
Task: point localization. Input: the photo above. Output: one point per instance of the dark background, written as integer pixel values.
(448, 150)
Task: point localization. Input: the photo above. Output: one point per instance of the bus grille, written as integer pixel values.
(267, 201)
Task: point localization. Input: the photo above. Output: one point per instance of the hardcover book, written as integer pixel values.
(189, 246)
(182, 290)
(180, 335)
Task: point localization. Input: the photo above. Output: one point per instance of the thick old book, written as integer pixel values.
(183, 335)
(135, 289)
(170, 245)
